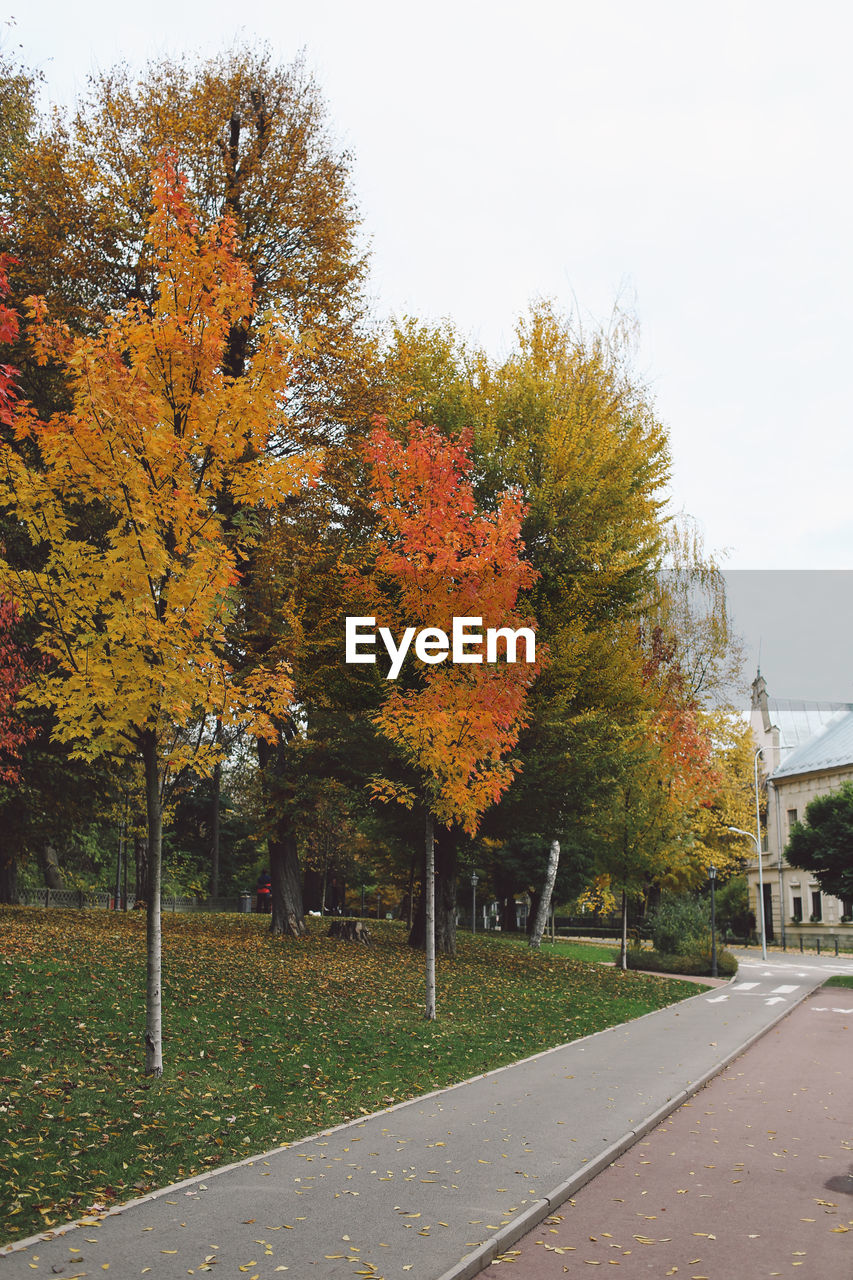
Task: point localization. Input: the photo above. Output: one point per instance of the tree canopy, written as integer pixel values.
(822, 843)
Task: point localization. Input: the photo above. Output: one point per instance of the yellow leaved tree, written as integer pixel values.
(138, 507)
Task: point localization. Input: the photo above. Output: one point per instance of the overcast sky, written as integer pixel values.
(691, 161)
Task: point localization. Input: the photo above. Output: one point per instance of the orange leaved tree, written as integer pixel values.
(121, 499)
(452, 721)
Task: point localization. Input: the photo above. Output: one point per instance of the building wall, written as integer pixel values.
(786, 802)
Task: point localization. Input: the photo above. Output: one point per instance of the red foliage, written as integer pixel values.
(8, 333)
(446, 560)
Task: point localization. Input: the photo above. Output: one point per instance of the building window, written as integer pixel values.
(817, 911)
(792, 818)
(798, 909)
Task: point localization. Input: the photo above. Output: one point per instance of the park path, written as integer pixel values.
(435, 1188)
(749, 1179)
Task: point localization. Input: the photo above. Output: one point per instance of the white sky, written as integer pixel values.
(693, 160)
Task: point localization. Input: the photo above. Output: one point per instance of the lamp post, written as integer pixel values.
(757, 844)
(474, 879)
(712, 875)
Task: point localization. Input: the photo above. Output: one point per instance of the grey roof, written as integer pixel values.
(798, 720)
(830, 748)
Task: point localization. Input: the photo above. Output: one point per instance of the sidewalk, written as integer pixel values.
(753, 1176)
(438, 1186)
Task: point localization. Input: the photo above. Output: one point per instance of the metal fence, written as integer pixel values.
(82, 899)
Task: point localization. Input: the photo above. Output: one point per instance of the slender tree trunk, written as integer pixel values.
(140, 857)
(623, 945)
(121, 860)
(214, 829)
(49, 861)
(445, 849)
(533, 895)
(153, 1000)
(544, 906)
(429, 896)
(411, 910)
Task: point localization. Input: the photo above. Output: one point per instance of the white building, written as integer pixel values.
(807, 751)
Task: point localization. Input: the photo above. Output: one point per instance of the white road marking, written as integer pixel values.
(717, 999)
(842, 1010)
(784, 991)
(744, 986)
(775, 1000)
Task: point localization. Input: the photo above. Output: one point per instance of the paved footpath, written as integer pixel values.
(435, 1188)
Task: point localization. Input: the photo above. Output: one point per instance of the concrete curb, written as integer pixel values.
(472, 1264)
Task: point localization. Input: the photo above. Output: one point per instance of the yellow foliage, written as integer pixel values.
(132, 506)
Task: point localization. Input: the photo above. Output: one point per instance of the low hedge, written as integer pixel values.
(696, 964)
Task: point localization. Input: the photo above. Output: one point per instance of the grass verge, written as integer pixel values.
(265, 1041)
(566, 948)
(839, 980)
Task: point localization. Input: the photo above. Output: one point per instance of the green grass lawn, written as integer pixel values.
(839, 980)
(265, 1041)
(567, 948)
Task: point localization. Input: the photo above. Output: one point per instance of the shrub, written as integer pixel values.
(733, 913)
(696, 963)
(680, 925)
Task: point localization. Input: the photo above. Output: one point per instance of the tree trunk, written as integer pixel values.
(140, 858)
(153, 999)
(214, 829)
(544, 906)
(121, 861)
(533, 895)
(445, 848)
(429, 903)
(410, 910)
(623, 945)
(288, 916)
(49, 863)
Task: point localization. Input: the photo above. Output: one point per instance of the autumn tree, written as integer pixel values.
(564, 418)
(453, 722)
(134, 582)
(255, 142)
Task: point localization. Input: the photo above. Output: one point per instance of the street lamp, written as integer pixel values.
(712, 875)
(474, 879)
(757, 844)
